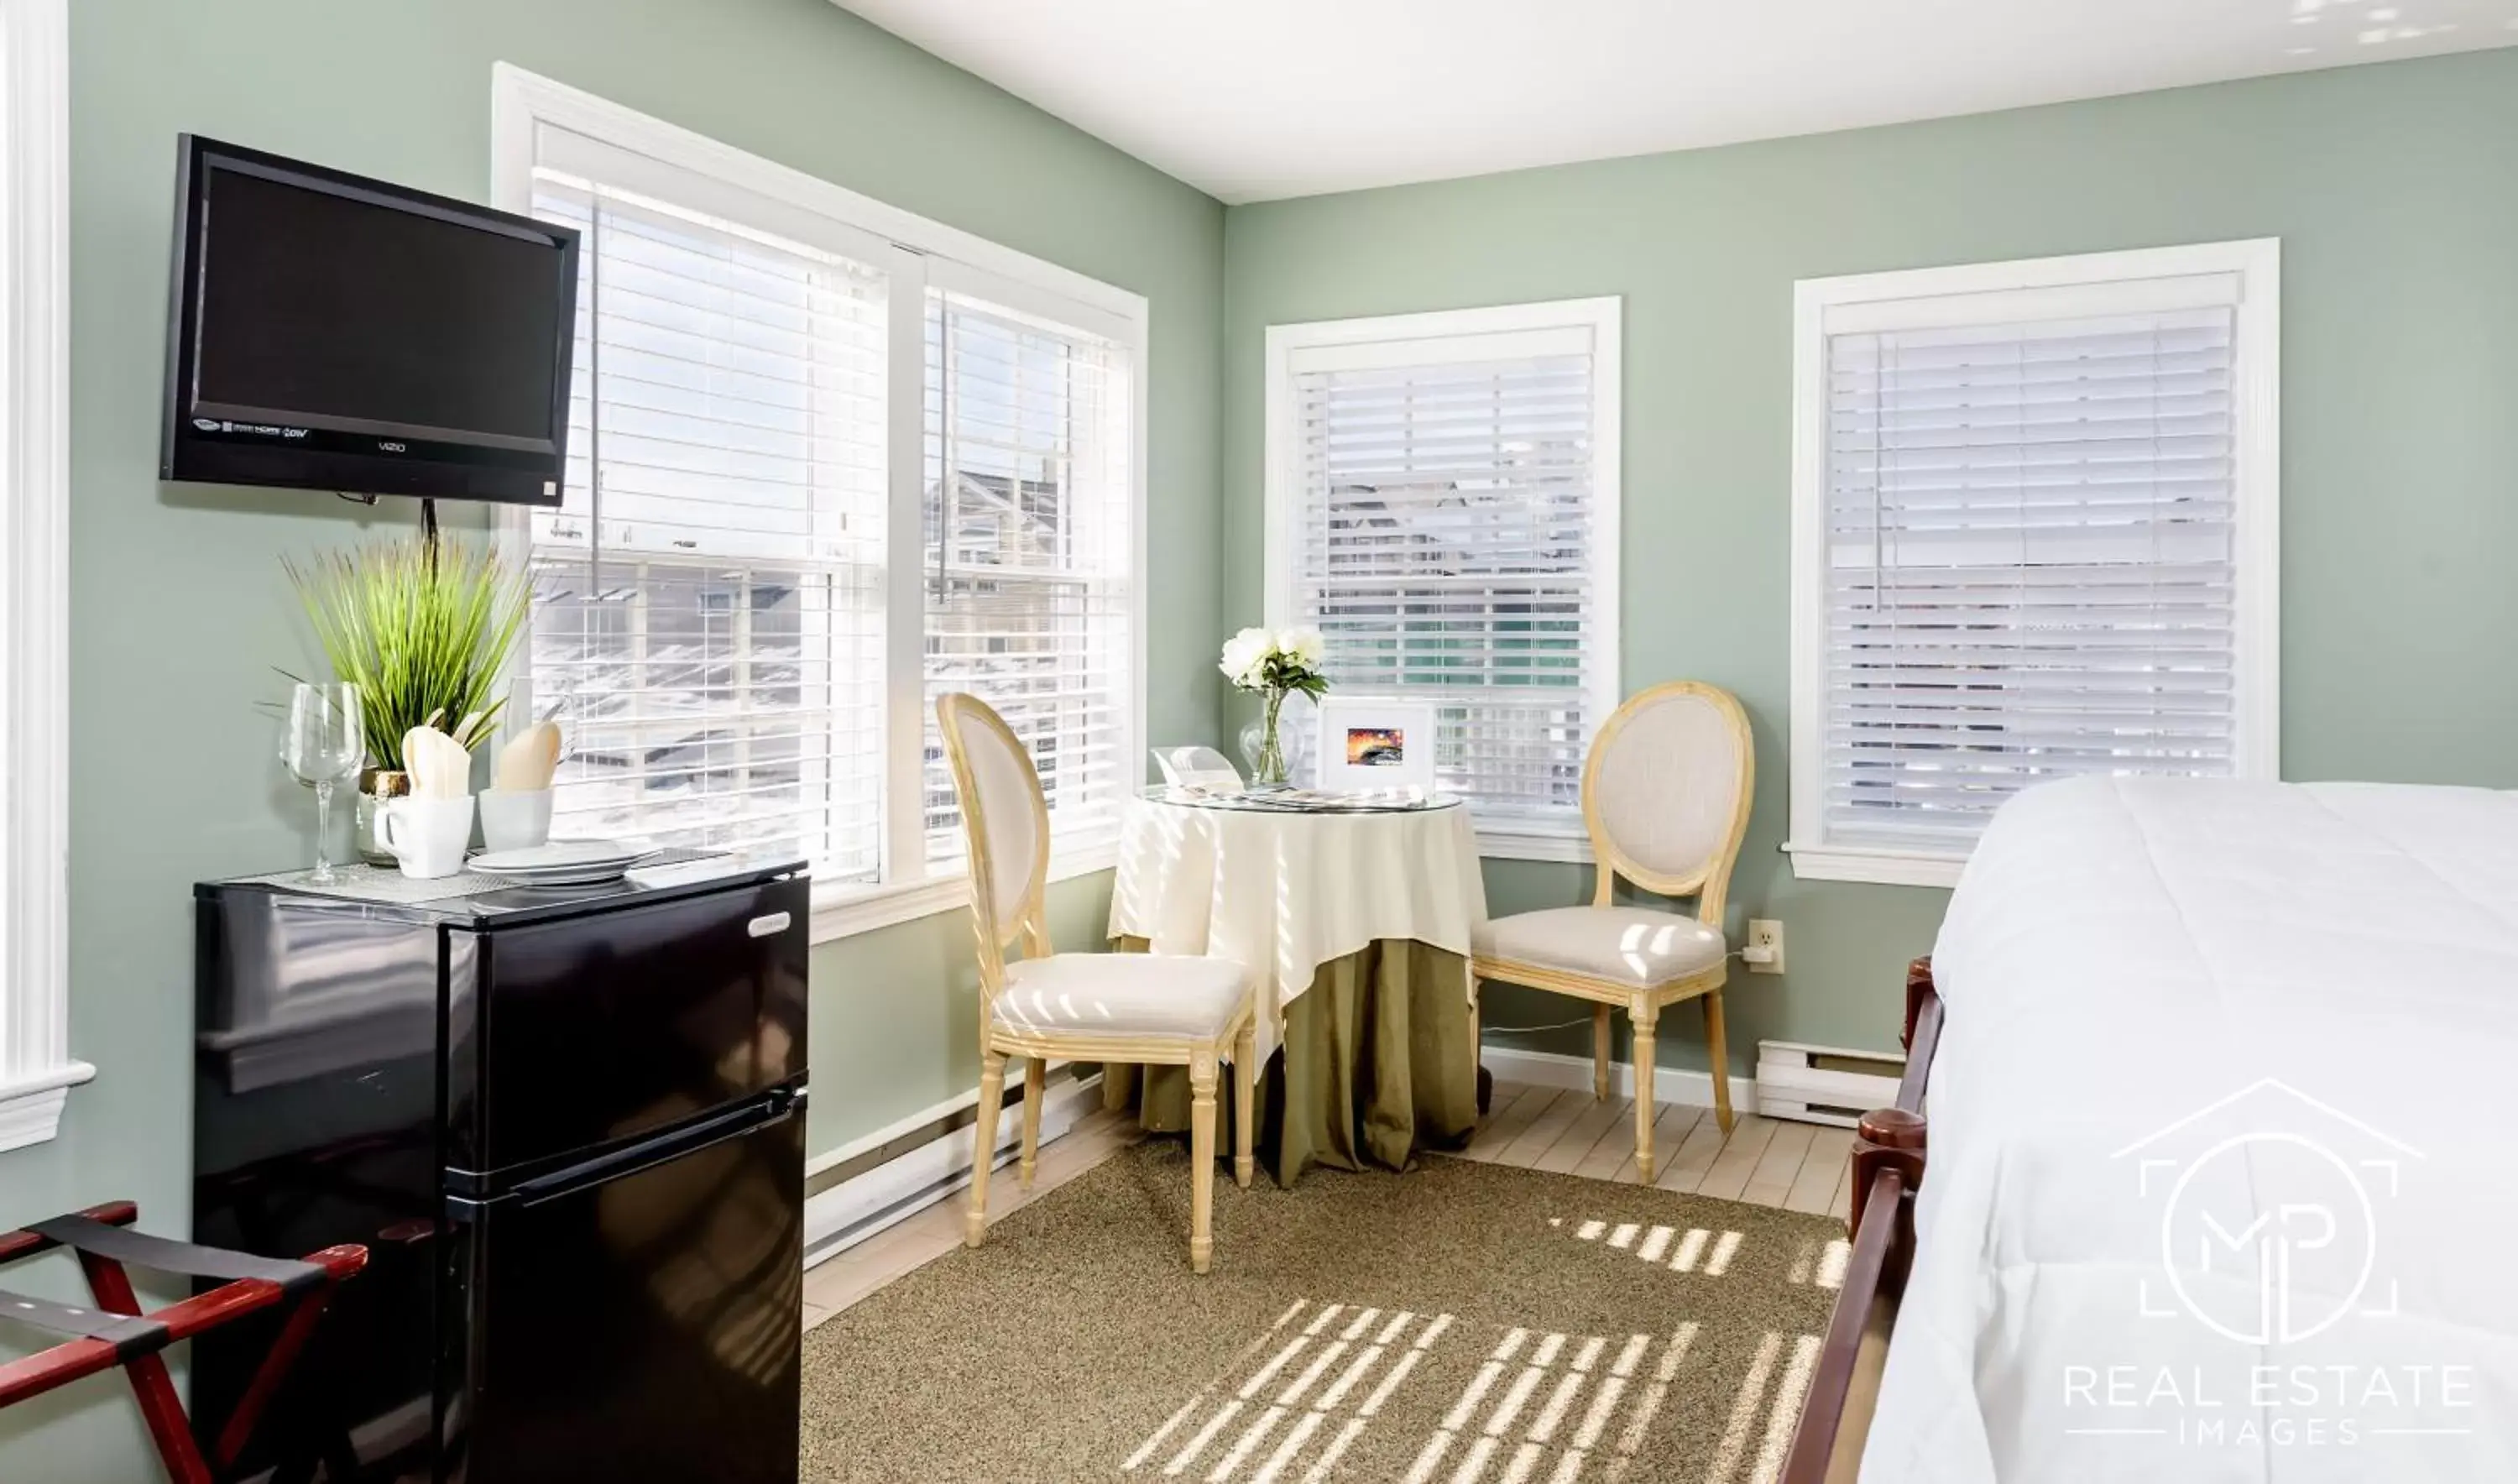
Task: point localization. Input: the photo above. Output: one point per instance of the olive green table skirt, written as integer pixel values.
(1376, 1066)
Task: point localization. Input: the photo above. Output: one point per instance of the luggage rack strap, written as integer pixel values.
(128, 1334)
(164, 1256)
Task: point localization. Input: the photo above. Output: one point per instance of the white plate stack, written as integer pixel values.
(564, 862)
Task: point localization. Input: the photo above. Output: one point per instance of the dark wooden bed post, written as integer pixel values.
(1889, 1139)
(1887, 1170)
(1919, 992)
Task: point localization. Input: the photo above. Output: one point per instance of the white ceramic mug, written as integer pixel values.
(516, 818)
(426, 835)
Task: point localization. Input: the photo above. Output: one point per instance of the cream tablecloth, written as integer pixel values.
(1286, 892)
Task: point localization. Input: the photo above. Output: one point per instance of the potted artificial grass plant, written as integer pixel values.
(422, 625)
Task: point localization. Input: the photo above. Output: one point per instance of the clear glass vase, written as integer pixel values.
(1268, 764)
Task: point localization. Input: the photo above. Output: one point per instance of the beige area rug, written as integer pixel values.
(1460, 1322)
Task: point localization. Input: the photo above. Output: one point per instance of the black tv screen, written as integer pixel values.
(330, 331)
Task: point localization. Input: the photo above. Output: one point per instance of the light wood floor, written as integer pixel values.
(1766, 1161)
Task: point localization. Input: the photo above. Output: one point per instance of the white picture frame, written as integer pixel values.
(1369, 744)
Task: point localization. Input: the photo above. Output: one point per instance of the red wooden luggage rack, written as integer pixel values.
(115, 1332)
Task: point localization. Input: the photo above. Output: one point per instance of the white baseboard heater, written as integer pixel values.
(1824, 1084)
(896, 1173)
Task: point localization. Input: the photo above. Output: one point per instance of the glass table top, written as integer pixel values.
(1298, 800)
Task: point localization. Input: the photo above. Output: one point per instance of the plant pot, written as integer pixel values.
(375, 785)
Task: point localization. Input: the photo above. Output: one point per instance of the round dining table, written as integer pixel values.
(1352, 914)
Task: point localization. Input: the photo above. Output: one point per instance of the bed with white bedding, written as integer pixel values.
(2261, 1035)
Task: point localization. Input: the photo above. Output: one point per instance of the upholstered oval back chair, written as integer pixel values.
(1197, 768)
(1157, 1009)
(1666, 799)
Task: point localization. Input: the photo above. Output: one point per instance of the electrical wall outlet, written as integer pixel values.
(1767, 934)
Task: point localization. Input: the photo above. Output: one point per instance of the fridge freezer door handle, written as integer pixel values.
(776, 1107)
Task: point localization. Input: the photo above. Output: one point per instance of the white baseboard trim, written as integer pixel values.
(1548, 1069)
(848, 1213)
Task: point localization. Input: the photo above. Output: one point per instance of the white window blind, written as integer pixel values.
(709, 610)
(1029, 542)
(2034, 558)
(827, 459)
(1447, 526)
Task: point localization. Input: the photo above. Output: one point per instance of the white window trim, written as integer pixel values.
(36, 1069)
(1518, 839)
(2034, 289)
(919, 253)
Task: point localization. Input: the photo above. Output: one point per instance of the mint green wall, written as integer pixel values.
(177, 606)
(2395, 191)
(896, 1011)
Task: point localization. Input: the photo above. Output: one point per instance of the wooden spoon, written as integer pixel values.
(454, 767)
(548, 760)
(508, 774)
(528, 763)
(414, 760)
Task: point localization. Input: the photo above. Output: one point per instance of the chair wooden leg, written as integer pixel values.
(984, 1145)
(1201, 1161)
(1036, 1078)
(1716, 1060)
(1600, 1052)
(1477, 1023)
(1645, 1013)
(1245, 1102)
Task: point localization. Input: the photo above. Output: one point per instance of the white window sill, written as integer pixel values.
(844, 909)
(1876, 867)
(30, 1107)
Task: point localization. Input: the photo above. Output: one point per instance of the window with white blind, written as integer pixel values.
(826, 462)
(708, 599)
(1443, 503)
(2034, 516)
(1028, 563)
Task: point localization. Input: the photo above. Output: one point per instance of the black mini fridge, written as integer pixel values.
(567, 1125)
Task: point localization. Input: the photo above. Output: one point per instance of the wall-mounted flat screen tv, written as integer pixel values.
(333, 333)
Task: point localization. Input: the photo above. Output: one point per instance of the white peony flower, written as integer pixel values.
(1244, 654)
(1304, 643)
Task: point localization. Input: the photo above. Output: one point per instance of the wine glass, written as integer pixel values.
(323, 743)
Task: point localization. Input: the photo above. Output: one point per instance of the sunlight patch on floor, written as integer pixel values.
(1781, 1411)
(1821, 1263)
(1544, 1407)
(1268, 1422)
(1521, 1437)
(1669, 1246)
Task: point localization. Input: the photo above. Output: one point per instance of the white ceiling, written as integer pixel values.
(1253, 100)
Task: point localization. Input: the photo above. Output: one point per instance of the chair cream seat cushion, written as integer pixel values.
(1137, 994)
(1625, 945)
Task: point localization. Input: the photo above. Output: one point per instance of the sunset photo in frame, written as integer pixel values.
(1369, 743)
